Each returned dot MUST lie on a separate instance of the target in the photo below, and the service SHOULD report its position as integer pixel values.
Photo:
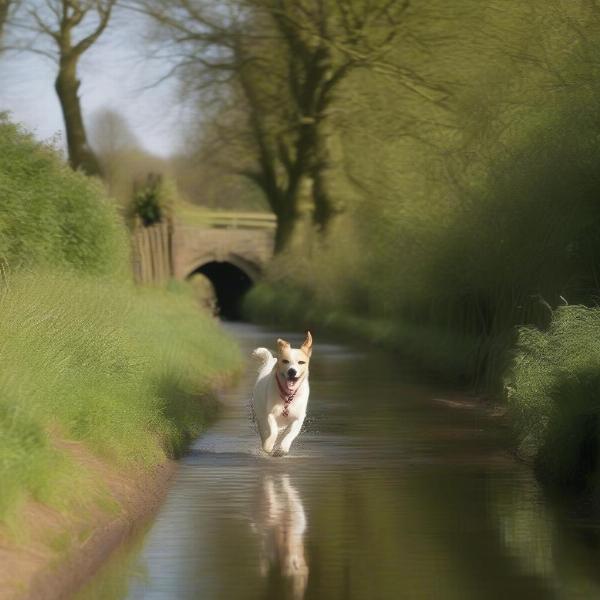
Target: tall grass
(121, 369)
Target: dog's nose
(292, 372)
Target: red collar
(285, 396)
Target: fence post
(152, 252)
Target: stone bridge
(230, 249)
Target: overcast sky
(114, 74)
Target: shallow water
(393, 490)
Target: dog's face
(292, 363)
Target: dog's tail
(266, 360)
(262, 355)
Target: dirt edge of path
(33, 571)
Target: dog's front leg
(273, 431)
(290, 436)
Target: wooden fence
(152, 253)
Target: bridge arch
(230, 250)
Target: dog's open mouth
(292, 380)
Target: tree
(111, 134)
(73, 26)
(117, 150)
(6, 8)
(285, 60)
(122, 158)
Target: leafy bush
(51, 216)
(553, 391)
(153, 200)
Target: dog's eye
(301, 362)
(285, 362)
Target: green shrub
(51, 216)
(553, 391)
(153, 200)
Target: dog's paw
(268, 447)
(281, 451)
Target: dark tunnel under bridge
(229, 285)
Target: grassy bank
(126, 371)
(102, 382)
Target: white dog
(281, 393)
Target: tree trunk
(284, 232)
(325, 207)
(67, 88)
(287, 219)
(325, 210)
(4, 6)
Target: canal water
(395, 489)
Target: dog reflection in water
(281, 524)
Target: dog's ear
(307, 344)
(282, 345)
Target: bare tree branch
(286, 61)
(60, 21)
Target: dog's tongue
(291, 384)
